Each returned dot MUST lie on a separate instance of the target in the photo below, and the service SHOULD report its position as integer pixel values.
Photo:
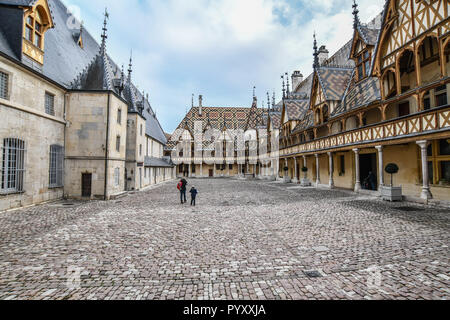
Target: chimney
(297, 78)
(200, 106)
(323, 54)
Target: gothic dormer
(37, 20)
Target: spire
(273, 101)
(284, 88)
(356, 21)
(287, 84)
(268, 101)
(104, 35)
(192, 102)
(130, 66)
(254, 92)
(316, 53)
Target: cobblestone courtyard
(244, 240)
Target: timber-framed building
(382, 98)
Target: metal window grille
(13, 165)
(49, 104)
(4, 79)
(117, 176)
(56, 166)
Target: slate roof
(370, 36)
(67, 64)
(18, 2)
(306, 122)
(157, 162)
(340, 58)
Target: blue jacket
(193, 192)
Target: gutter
(106, 146)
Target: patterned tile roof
(218, 117)
(334, 81)
(370, 36)
(275, 118)
(306, 122)
(295, 109)
(359, 95)
(341, 58)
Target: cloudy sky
(217, 48)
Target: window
(4, 79)
(118, 143)
(439, 162)
(145, 173)
(49, 104)
(140, 149)
(363, 65)
(56, 170)
(141, 129)
(441, 96)
(117, 176)
(13, 165)
(34, 31)
(230, 167)
(119, 116)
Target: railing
(415, 124)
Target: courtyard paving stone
(243, 240)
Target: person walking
(182, 187)
(194, 193)
(371, 179)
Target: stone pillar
(380, 166)
(286, 173)
(317, 170)
(426, 193)
(201, 169)
(295, 171)
(331, 181)
(357, 173)
(190, 170)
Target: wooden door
(86, 185)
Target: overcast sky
(217, 48)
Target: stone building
(382, 98)
(71, 123)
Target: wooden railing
(414, 124)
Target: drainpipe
(66, 95)
(106, 146)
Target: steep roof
(73, 67)
(295, 109)
(334, 81)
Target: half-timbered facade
(386, 102)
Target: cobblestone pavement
(244, 240)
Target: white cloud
(218, 48)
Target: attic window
(80, 41)
(363, 65)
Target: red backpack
(179, 185)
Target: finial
(192, 102)
(254, 91)
(268, 101)
(130, 65)
(356, 21)
(273, 100)
(316, 53)
(284, 88)
(287, 84)
(104, 35)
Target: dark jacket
(193, 192)
(184, 183)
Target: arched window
(429, 60)
(325, 114)
(407, 70)
(389, 84)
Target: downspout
(65, 128)
(106, 146)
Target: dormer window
(37, 20)
(363, 65)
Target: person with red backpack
(182, 187)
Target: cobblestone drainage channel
(409, 209)
(313, 274)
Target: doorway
(86, 185)
(211, 173)
(368, 164)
